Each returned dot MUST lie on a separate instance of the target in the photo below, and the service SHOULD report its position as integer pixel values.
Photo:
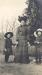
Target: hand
(16, 42)
(38, 42)
(5, 50)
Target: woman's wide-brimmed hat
(20, 18)
(6, 34)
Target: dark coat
(8, 45)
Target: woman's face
(22, 22)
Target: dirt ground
(19, 69)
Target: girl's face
(39, 33)
(8, 36)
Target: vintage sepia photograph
(20, 37)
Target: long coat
(22, 47)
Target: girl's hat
(6, 34)
(38, 32)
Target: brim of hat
(39, 29)
(11, 34)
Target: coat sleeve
(5, 43)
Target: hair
(24, 18)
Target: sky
(10, 10)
